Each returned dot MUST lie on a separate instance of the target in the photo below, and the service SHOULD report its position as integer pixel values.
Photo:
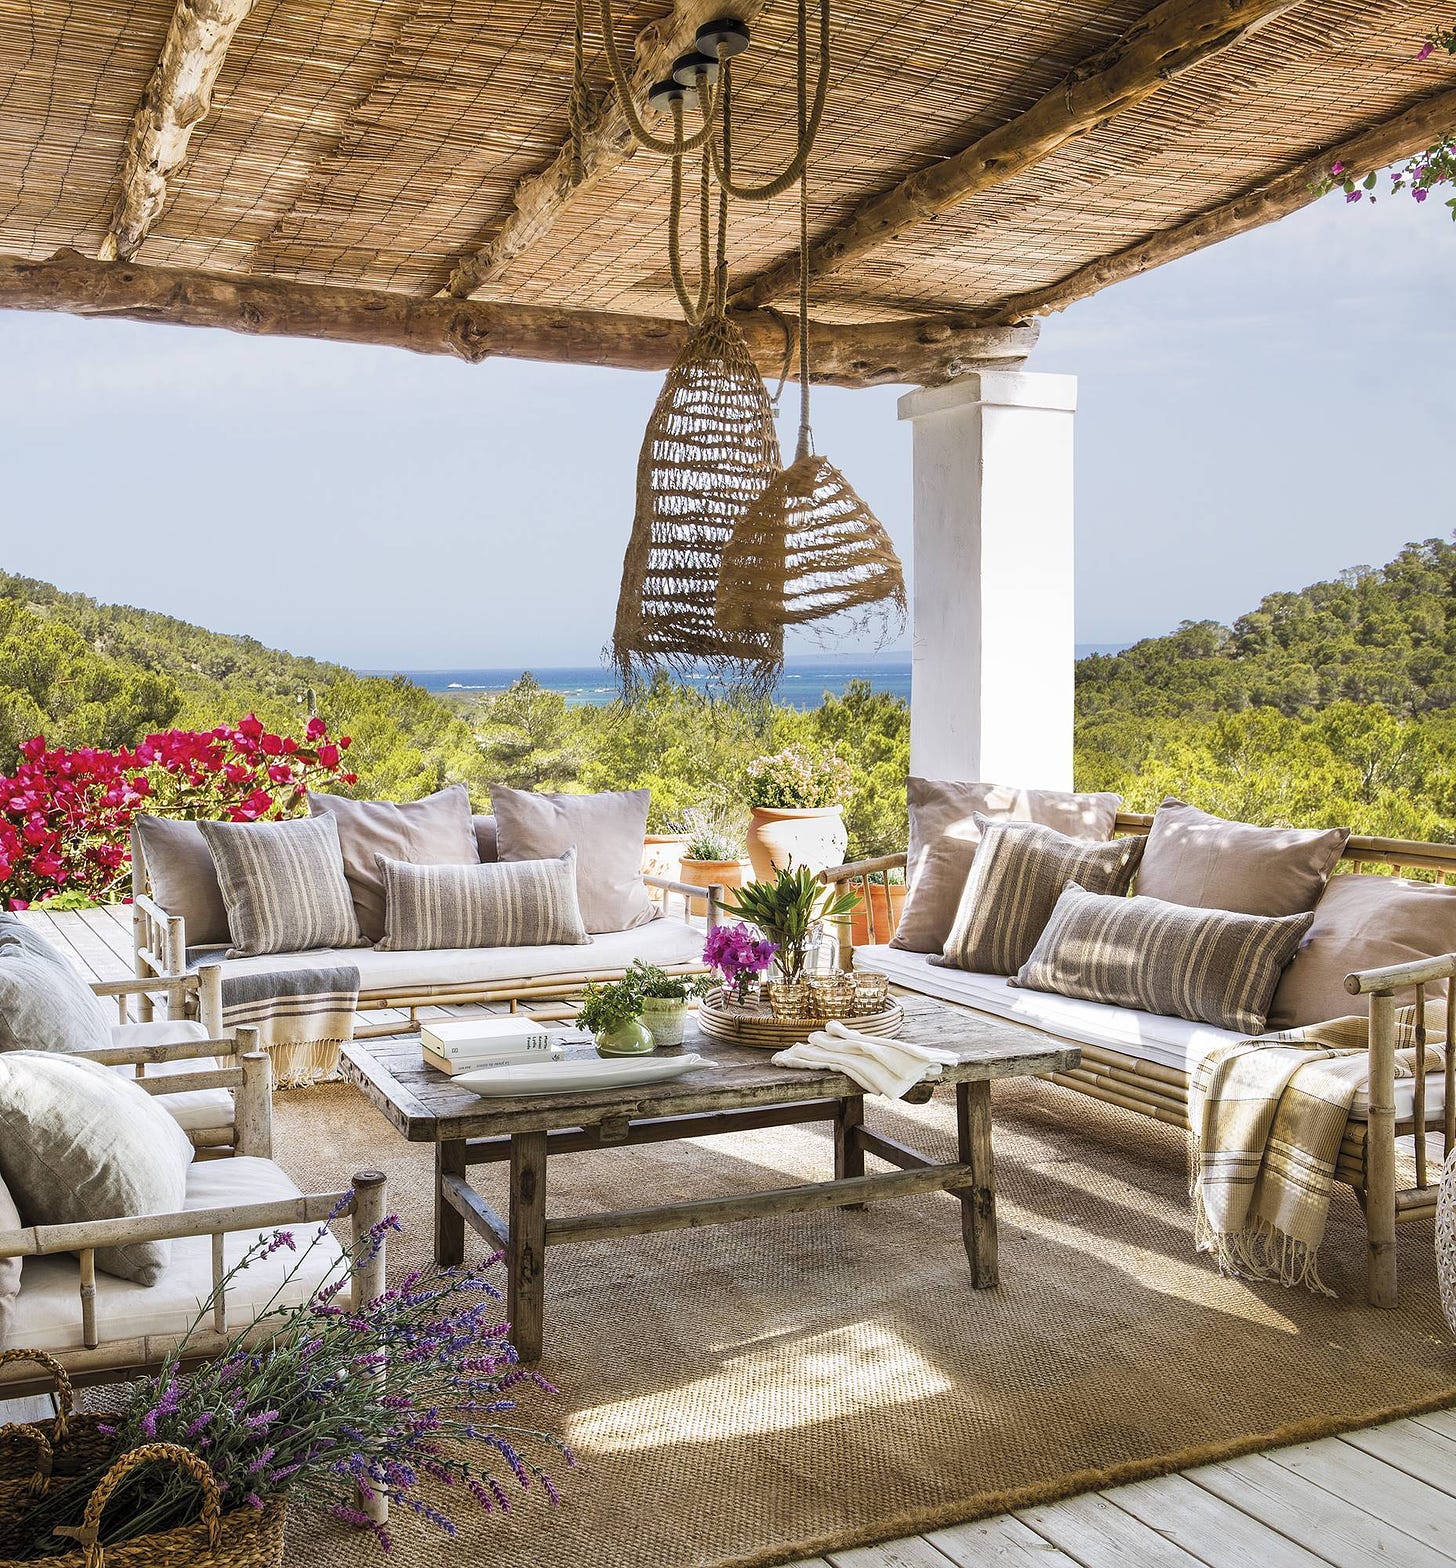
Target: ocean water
(804, 684)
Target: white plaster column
(993, 616)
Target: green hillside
(84, 673)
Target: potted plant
(739, 957)
(795, 797)
(712, 855)
(613, 1015)
(665, 999)
(883, 902)
(791, 911)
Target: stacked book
(462, 1045)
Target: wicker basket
(34, 1454)
(755, 1026)
(241, 1538)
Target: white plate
(576, 1075)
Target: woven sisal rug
(754, 1393)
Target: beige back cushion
(435, 831)
(944, 835)
(1210, 863)
(606, 831)
(486, 845)
(1362, 922)
(182, 877)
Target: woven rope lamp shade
(709, 451)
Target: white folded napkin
(878, 1065)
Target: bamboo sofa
(539, 980)
(99, 1329)
(1136, 1061)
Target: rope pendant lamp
(809, 549)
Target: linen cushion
(1208, 862)
(606, 831)
(521, 903)
(1015, 880)
(435, 831)
(78, 1142)
(284, 885)
(486, 847)
(9, 1267)
(1207, 965)
(944, 835)
(182, 877)
(1362, 922)
(45, 1005)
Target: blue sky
(1251, 418)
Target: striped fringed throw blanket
(303, 1017)
(1268, 1116)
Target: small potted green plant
(796, 799)
(665, 999)
(613, 1015)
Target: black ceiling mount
(726, 34)
(687, 67)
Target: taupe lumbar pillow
(183, 879)
(1211, 863)
(519, 903)
(944, 835)
(1362, 922)
(435, 831)
(80, 1142)
(606, 831)
(1015, 880)
(487, 848)
(284, 885)
(1206, 965)
(45, 1005)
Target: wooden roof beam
(542, 200)
(176, 101)
(1410, 132)
(924, 352)
(1172, 38)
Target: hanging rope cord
(626, 98)
(806, 439)
(692, 309)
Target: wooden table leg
(526, 1254)
(978, 1203)
(449, 1222)
(849, 1157)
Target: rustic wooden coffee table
(744, 1090)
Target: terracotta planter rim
(789, 813)
(688, 861)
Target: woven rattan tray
(756, 1026)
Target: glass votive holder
(788, 998)
(871, 992)
(832, 995)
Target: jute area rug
(754, 1393)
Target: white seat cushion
(198, 1110)
(664, 941)
(1146, 1037)
(48, 1309)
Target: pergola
(402, 172)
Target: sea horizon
(806, 680)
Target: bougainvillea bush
(66, 813)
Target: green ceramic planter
(632, 1038)
(665, 1018)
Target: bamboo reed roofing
(375, 143)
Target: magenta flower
(738, 955)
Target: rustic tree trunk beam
(1173, 38)
(923, 352)
(175, 102)
(541, 200)
(1407, 133)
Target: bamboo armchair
(1368, 1156)
(102, 1359)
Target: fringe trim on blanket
(306, 1062)
(1260, 1252)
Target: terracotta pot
(710, 873)
(662, 855)
(780, 839)
(886, 905)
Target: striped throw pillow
(283, 884)
(1207, 965)
(1015, 880)
(514, 903)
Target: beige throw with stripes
(1268, 1117)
